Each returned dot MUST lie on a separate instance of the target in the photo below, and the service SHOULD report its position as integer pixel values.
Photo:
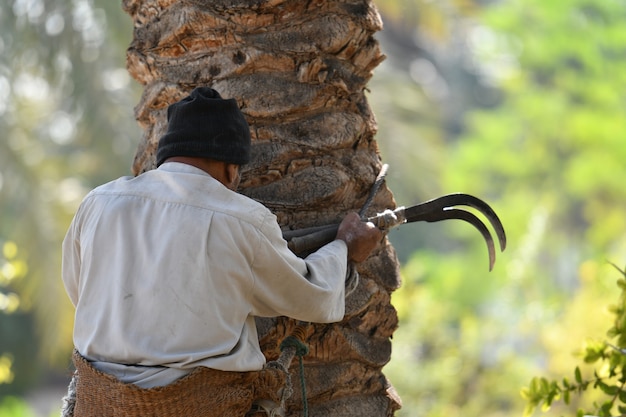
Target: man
(167, 270)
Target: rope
(294, 344)
(295, 341)
(352, 279)
(305, 404)
(69, 401)
(388, 219)
(380, 178)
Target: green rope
(301, 350)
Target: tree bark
(298, 70)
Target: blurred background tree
(66, 106)
(547, 150)
(518, 102)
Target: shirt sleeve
(70, 263)
(310, 289)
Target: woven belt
(202, 393)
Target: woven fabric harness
(203, 393)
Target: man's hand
(361, 237)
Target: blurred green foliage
(548, 155)
(608, 382)
(66, 107)
(14, 407)
(17, 348)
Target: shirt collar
(181, 167)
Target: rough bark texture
(298, 70)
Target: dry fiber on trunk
(298, 70)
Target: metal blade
(470, 218)
(431, 211)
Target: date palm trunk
(299, 71)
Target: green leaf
(608, 389)
(594, 351)
(605, 410)
(578, 375)
(529, 409)
(545, 386)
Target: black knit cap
(205, 125)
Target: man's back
(166, 273)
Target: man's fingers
(360, 237)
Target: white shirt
(167, 271)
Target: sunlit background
(519, 102)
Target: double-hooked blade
(443, 208)
(435, 210)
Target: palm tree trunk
(299, 70)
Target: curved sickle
(470, 218)
(429, 211)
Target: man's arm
(310, 289)
(70, 263)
